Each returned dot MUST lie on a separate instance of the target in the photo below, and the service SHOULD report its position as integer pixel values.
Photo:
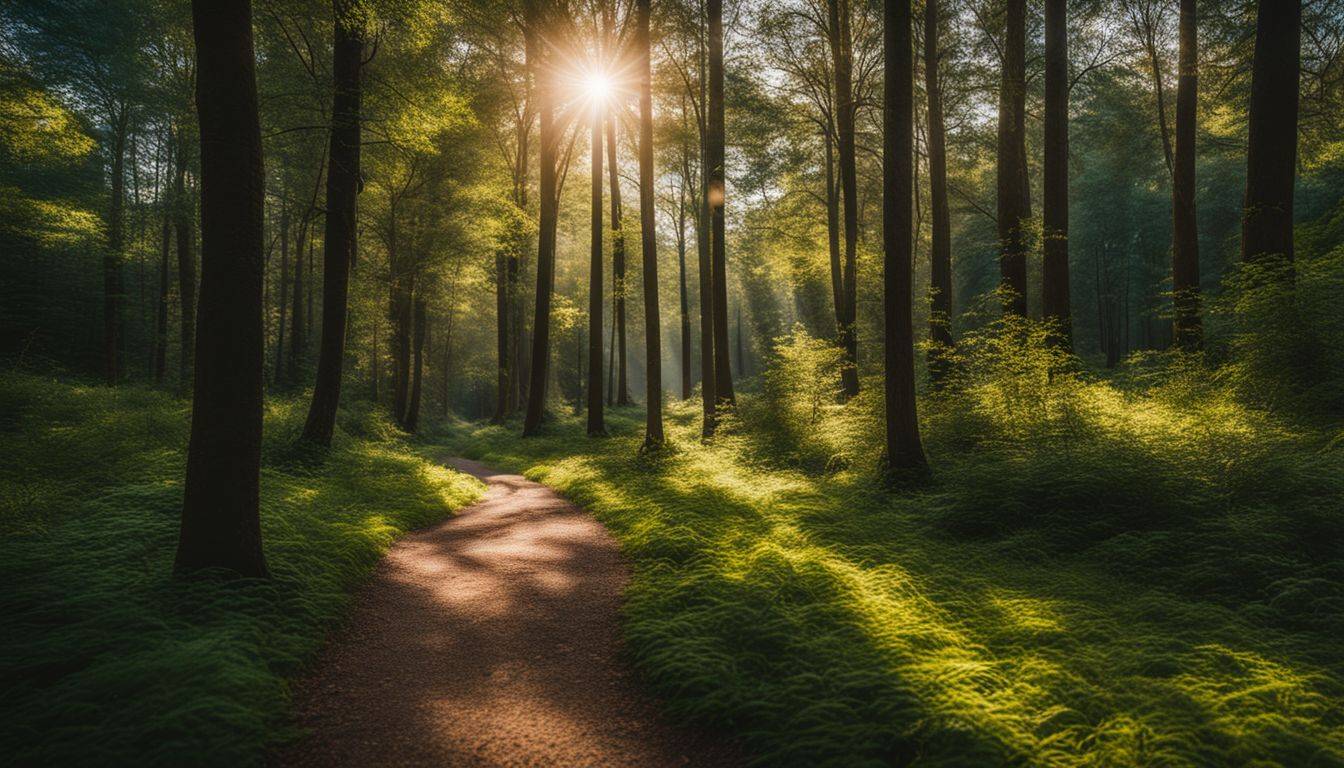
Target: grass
(106, 660)
(1101, 573)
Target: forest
(672, 382)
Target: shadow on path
(491, 639)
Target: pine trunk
(1055, 206)
(1187, 328)
(221, 522)
(1014, 206)
(339, 241)
(1271, 157)
(904, 453)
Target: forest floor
(1162, 585)
(493, 639)
(105, 659)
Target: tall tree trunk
(904, 453)
(842, 61)
(283, 294)
(1187, 330)
(549, 210)
(833, 239)
(723, 373)
(298, 330)
(221, 521)
(1014, 206)
(681, 278)
(161, 309)
(1271, 157)
(617, 264)
(940, 257)
(502, 286)
(113, 289)
(1055, 206)
(186, 266)
(421, 329)
(596, 424)
(653, 348)
(708, 397)
(343, 181)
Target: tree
(1055, 206)
(904, 453)
(420, 330)
(1186, 325)
(1014, 194)
(186, 262)
(653, 391)
(596, 425)
(842, 64)
(548, 190)
(940, 256)
(221, 520)
(343, 182)
(716, 195)
(622, 392)
(1271, 156)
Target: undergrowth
(1144, 568)
(105, 659)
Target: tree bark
(1271, 157)
(904, 453)
(723, 373)
(421, 329)
(549, 209)
(113, 288)
(596, 423)
(681, 279)
(161, 309)
(940, 257)
(279, 372)
(617, 264)
(842, 61)
(653, 348)
(186, 266)
(221, 522)
(1187, 330)
(1014, 206)
(1055, 205)
(833, 239)
(343, 182)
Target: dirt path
(491, 639)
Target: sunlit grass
(1100, 574)
(104, 658)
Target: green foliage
(1138, 570)
(105, 658)
(1280, 331)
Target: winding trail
(491, 639)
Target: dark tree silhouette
(842, 62)
(903, 450)
(1014, 204)
(1055, 206)
(339, 243)
(1271, 156)
(541, 325)
(653, 355)
(596, 424)
(622, 393)
(221, 521)
(940, 257)
(723, 372)
(186, 264)
(1186, 325)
